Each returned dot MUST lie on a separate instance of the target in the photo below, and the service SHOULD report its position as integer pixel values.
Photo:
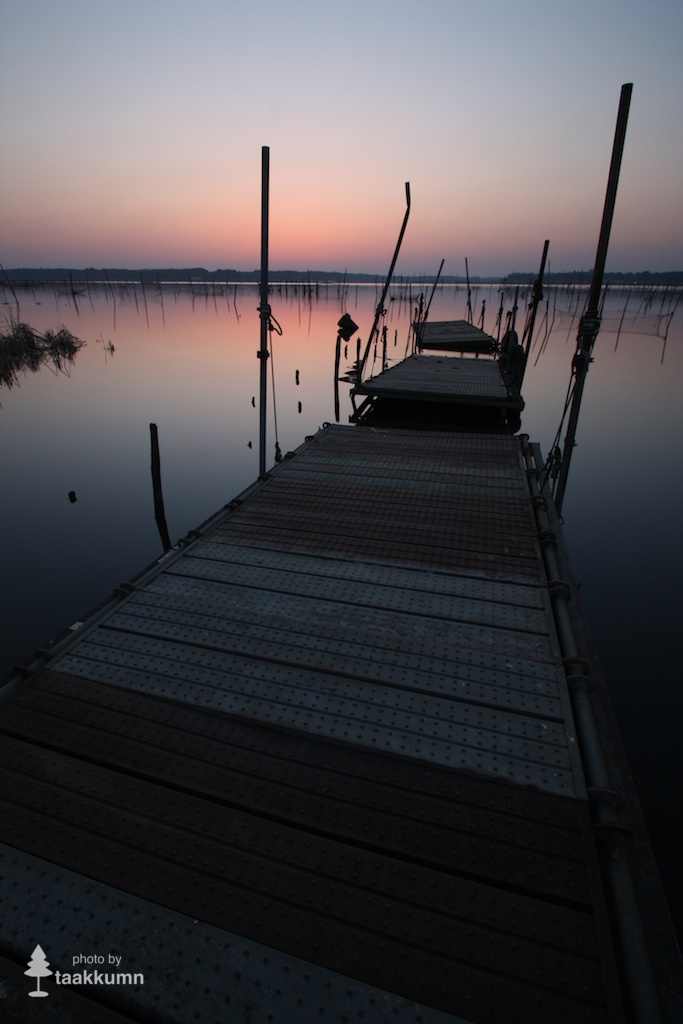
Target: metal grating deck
(332, 732)
(454, 336)
(443, 379)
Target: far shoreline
(35, 276)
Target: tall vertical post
(337, 355)
(470, 317)
(535, 301)
(590, 321)
(380, 311)
(264, 308)
(436, 281)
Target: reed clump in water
(22, 348)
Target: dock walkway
(324, 755)
(435, 384)
(453, 336)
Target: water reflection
(185, 360)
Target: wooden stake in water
(159, 514)
(264, 308)
(337, 353)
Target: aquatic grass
(24, 349)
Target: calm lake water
(186, 360)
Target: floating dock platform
(443, 390)
(328, 760)
(453, 336)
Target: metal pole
(611, 196)
(337, 353)
(380, 306)
(590, 321)
(535, 302)
(469, 292)
(515, 308)
(264, 308)
(436, 281)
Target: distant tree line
(662, 278)
(190, 275)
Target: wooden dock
(428, 387)
(320, 763)
(453, 336)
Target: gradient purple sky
(132, 133)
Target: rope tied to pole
(272, 326)
(278, 452)
(266, 313)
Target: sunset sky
(132, 132)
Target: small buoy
(72, 497)
(299, 406)
(248, 444)
(253, 401)
(297, 377)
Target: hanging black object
(347, 328)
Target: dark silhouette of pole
(337, 355)
(436, 281)
(264, 308)
(535, 302)
(379, 312)
(159, 513)
(470, 315)
(421, 321)
(590, 321)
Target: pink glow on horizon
(337, 224)
(160, 165)
(306, 234)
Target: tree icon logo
(38, 968)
